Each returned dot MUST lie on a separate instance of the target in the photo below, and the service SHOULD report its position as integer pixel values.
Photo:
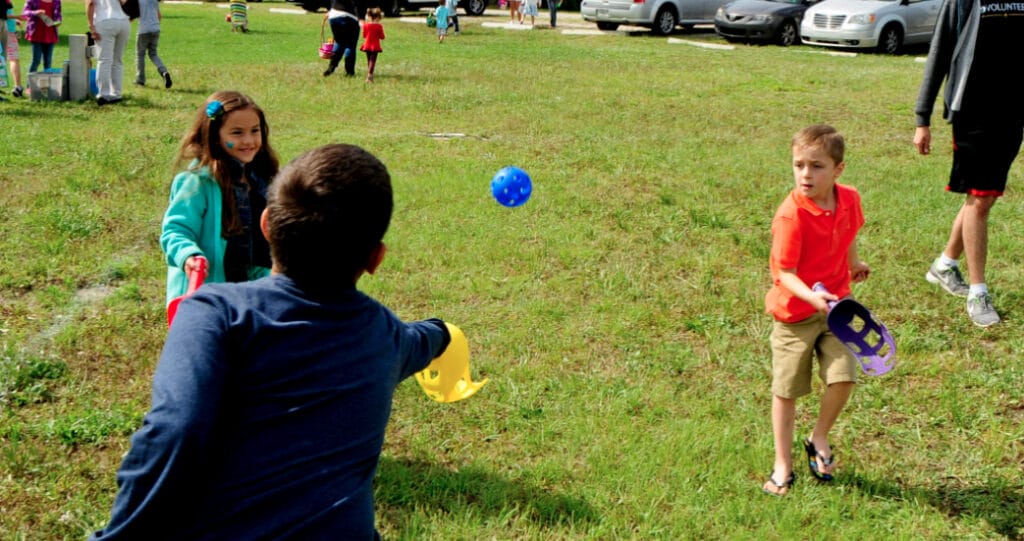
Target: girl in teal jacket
(216, 202)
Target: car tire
(607, 26)
(474, 7)
(789, 34)
(891, 40)
(664, 21)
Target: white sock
(946, 262)
(978, 290)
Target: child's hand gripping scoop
(447, 378)
(196, 277)
(862, 334)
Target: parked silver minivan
(661, 16)
(884, 25)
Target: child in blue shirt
(10, 45)
(441, 13)
(271, 397)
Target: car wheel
(891, 40)
(607, 26)
(474, 7)
(788, 34)
(664, 21)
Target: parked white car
(661, 16)
(885, 25)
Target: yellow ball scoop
(447, 378)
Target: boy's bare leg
(955, 245)
(974, 234)
(783, 418)
(970, 235)
(832, 404)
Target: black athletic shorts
(982, 155)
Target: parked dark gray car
(772, 21)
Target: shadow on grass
(411, 485)
(84, 109)
(999, 504)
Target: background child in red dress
(373, 32)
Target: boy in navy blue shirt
(271, 397)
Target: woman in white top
(344, 20)
(111, 29)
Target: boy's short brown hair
(327, 211)
(824, 137)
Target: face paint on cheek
(230, 145)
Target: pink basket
(326, 50)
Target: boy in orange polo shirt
(813, 240)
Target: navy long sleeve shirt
(268, 416)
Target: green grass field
(618, 314)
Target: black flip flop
(812, 461)
(787, 484)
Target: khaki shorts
(793, 347)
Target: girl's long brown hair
(202, 144)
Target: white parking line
(829, 53)
(703, 44)
(507, 26)
(583, 32)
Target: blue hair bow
(214, 109)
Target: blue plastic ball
(511, 186)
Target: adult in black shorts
(974, 50)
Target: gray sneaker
(950, 279)
(982, 313)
